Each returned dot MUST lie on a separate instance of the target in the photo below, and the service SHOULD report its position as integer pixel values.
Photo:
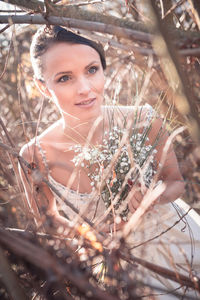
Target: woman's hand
(173, 190)
(135, 201)
(138, 193)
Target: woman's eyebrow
(93, 62)
(70, 72)
(63, 72)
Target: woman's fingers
(134, 203)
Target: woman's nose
(83, 86)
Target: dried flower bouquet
(135, 162)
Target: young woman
(69, 69)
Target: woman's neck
(82, 132)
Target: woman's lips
(87, 102)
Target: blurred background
(134, 73)
(138, 71)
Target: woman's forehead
(69, 55)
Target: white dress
(161, 238)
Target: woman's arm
(41, 202)
(168, 168)
(167, 171)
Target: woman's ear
(42, 88)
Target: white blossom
(87, 156)
(102, 155)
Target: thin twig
(39, 175)
(47, 262)
(162, 8)
(4, 28)
(195, 13)
(164, 272)
(7, 56)
(85, 3)
(172, 68)
(31, 234)
(6, 133)
(173, 8)
(13, 146)
(11, 11)
(163, 232)
(46, 8)
(151, 195)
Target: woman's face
(74, 78)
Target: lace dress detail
(89, 205)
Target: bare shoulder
(27, 151)
(30, 150)
(144, 116)
(129, 109)
(138, 113)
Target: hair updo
(45, 37)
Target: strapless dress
(169, 235)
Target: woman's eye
(93, 70)
(64, 78)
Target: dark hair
(45, 37)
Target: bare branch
(173, 7)
(166, 273)
(120, 32)
(85, 3)
(190, 52)
(27, 5)
(4, 28)
(39, 175)
(4, 69)
(195, 12)
(196, 6)
(77, 13)
(45, 261)
(12, 11)
(74, 23)
(179, 82)
(42, 259)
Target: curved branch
(27, 5)
(71, 11)
(193, 282)
(98, 27)
(45, 261)
(77, 13)
(174, 73)
(74, 23)
(22, 161)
